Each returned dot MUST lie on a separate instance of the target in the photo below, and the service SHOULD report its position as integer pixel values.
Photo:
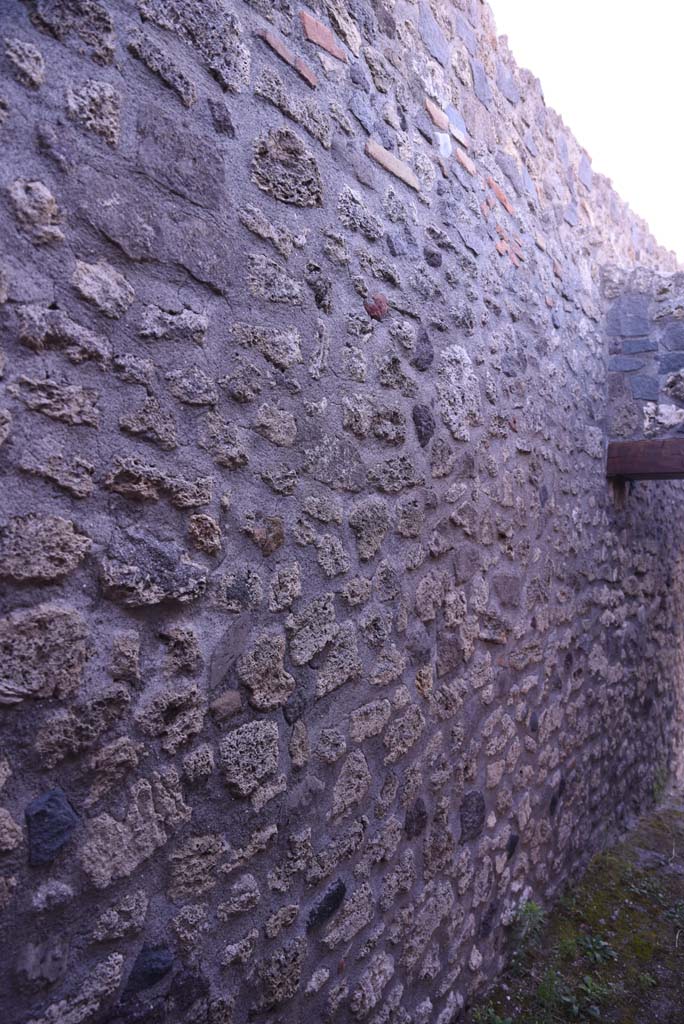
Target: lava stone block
(472, 815)
(51, 820)
(327, 906)
(152, 964)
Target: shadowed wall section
(322, 645)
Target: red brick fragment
(377, 306)
(485, 210)
(280, 47)
(514, 259)
(500, 231)
(557, 269)
(443, 166)
(306, 73)
(549, 302)
(466, 162)
(501, 196)
(318, 33)
(502, 247)
(392, 164)
(439, 118)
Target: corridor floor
(612, 950)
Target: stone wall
(645, 329)
(323, 646)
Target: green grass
(612, 950)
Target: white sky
(614, 71)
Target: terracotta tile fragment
(439, 118)
(280, 47)
(465, 161)
(501, 196)
(377, 306)
(392, 164)
(318, 33)
(443, 166)
(502, 247)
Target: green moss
(610, 943)
(643, 946)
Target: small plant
(488, 1015)
(567, 947)
(647, 887)
(659, 783)
(584, 1003)
(529, 922)
(592, 989)
(675, 914)
(646, 981)
(548, 990)
(597, 949)
(570, 1002)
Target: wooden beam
(646, 460)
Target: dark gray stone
(424, 353)
(625, 364)
(360, 78)
(509, 165)
(628, 317)
(530, 144)
(483, 89)
(639, 345)
(362, 111)
(396, 245)
(506, 84)
(466, 33)
(433, 257)
(327, 905)
(424, 125)
(152, 964)
(646, 388)
(424, 422)
(672, 335)
(528, 183)
(472, 815)
(671, 361)
(512, 844)
(571, 215)
(584, 171)
(432, 35)
(51, 821)
(456, 120)
(562, 151)
(416, 818)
